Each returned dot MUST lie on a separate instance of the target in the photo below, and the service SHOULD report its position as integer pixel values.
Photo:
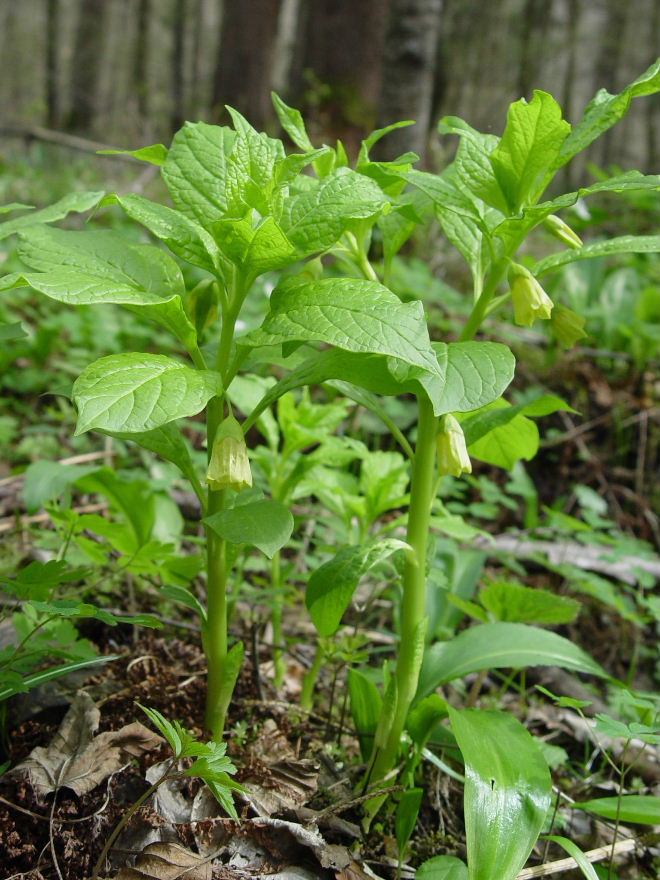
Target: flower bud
(561, 230)
(567, 326)
(229, 467)
(453, 456)
(529, 299)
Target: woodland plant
(241, 208)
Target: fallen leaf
(167, 861)
(78, 760)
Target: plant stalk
(413, 609)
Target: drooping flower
(567, 326)
(453, 458)
(529, 299)
(229, 467)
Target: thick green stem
(216, 627)
(413, 609)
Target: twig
(10, 525)
(592, 855)
(72, 142)
(73, 459)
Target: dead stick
(592, 855)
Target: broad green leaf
(195, 171)
(520, 604)
(424, 717)
(476, 373)
(12, 331)
(256, 249)
(604, 111)
(365, 702)
(472, 163)
(410, 211)
(315, 219)
(135, 392)
(507, 791)
(184, 237)
(630, 181)
(501, 434)
(45, 481)
(73, 202)
(356, 316)
(574, 850)
(497, 646)
(379, 133)
(331, 586)
(442, 868)
(292, 123)
(156, 154)
(15, 206)
(622, 244)
(249, 169)
(529, 148)
(446, 195)
(184, 597)
(133, 498)
(640, 809)
(166, 441)
(83, 268)
(266, 525)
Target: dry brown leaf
(167, 861)
(78, 760)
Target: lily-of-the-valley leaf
(497, 646)
(507, 791)
(136, 392)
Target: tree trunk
(52, 66)
(177, 116)
(244, 63)
(140, 79)
(85, 66)
(408, 73)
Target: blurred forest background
(128, 72)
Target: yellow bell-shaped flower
(453, 458)
(229, 467)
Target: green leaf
(12, 331)
(292, 123)
(38, 678)
(442, 868)
(133, 498)
(476, 373)
(166, 441)
(407, 812)
(156, 154)
(609, 726)
(576, 853)
(314, 219)
(184, 237)
(366, 703)
(527, 605)
(629, 181)
(498, 646)
(501, 434)
(77, 201)
(256, 250)
(604, 111)
(507, 791)
(266, 525)
(622, 244)
(640, 809)
(472, 163)
(195, 171)
(331, 586)
(45, 481)
(184, 597)
(101, 267)
(135, 392)
(356, 316)
(528, 150)
(249, 169)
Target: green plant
(242, 208)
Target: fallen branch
(592, 855)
